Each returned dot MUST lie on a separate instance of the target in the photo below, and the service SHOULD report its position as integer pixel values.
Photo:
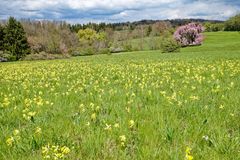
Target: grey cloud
(115, 10)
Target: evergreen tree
(149, 30)
(15, 40)
(1, 37)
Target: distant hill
(174, 22)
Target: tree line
(26, 39)
(232, 24)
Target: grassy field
(140, 105)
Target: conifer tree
(1, 37)
(15, 40)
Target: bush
(6, 56)
(189, 35)
(213, 27)
(86, 51)
(127, 47)
(90, 51)
(233, 24)
(169, 45)
(104, 51)
(44, 56)
(116, 49)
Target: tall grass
(142, 105)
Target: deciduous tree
(189, 35)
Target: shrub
(189, 35)
(213, 27)
(89, 51)
(84, 51)
(44, 56)
(104, 51)
(6, 56)
(127, 47)
(233, 24)
(116, 49)
(169, 45)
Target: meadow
(138, 105)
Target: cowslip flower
(108, 127)
(122, 139)
(116, 125)
(65, 150)
(38, 131)
(188, 155)
(93, 116)
(16, 132)
(10, 141)
(131, 123)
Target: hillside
(138, 105)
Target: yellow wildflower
(32, 114)
(38, 131)
(93, 116)
(131, 123)
(122, 138)
(16, 132)
(10, 141)
(65, 150)
(116, 125)
(188, 155)
(108, 127)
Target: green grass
(180, 100)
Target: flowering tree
(189, 35)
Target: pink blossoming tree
(189, 35)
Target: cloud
(82, 11)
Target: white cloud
(118, 10)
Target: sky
(83, 11)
